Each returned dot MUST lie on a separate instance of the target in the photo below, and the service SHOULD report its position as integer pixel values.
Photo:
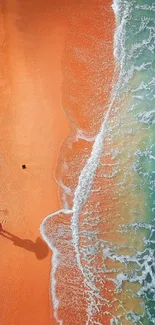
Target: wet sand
(32, 41)
(88, 70)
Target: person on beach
(1, 225)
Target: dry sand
(32, 41)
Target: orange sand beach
(32, 40)
(33, 125)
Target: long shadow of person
(39, 247)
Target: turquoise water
(135, 51)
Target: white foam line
(55, 262)
(87, 175)
(83, 189)
(85, 182)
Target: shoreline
(83, 75)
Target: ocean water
(103, 262)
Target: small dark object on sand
(1, 228)
(24, 166)
(1, 225)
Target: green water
(138, 79)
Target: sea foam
(104, 240)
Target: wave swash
(103, 262)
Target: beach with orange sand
(32, 128)
(47, 94)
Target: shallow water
(103, 238)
